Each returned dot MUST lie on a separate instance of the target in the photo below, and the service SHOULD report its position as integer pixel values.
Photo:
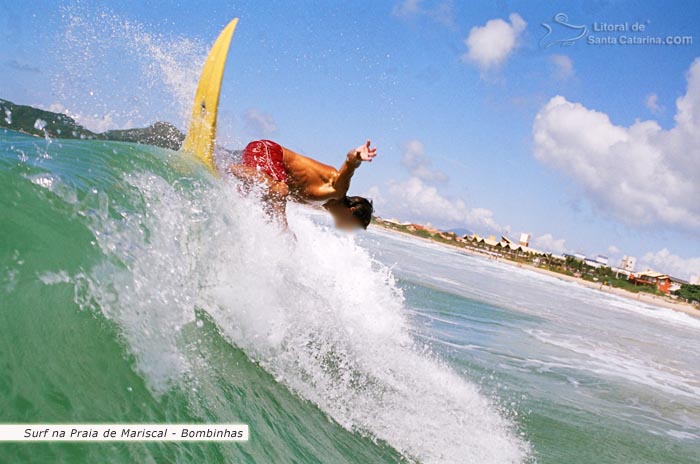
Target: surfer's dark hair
(363, 209)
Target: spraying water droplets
(39, 124)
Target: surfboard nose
(201, 133)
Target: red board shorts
(267, 157)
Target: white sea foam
(318, 313)
(608, 360)
(54, 184)
(560, 330)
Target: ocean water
(136, 288)
(586, 376)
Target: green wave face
(136, 288)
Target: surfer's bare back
(290, 176)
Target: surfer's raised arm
(290, 176)
(353, 160)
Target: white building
(603, 260)
(695, 280)
(524, 240)
(593, 263)
(628, 263)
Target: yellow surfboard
(202, 131)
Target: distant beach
(643, 297)
(647, 298)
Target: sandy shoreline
(641, 296)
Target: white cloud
(259, 124)
(641, 174)
(413, 153)
(664, 261)
(94, 122)
(652, 103)
(406, 8)
(100, 123)
(613, 250)
(55, 107)
(416, 161)
(418, 198)
(415, 200)
(547, 242)
(490, 45)
(375, 193)
(442, 12)
(563, 67)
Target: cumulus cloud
(652, 103)
(419, 165)
(415, 200)
(259, 124)
(641, 174)
(613, 250)
(490, 45)
(563, 67)
(101, 122)
(547, 242)
(418, 198)
(375, 193)
(665, 261)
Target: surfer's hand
(365, 153)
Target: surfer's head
(351, 212)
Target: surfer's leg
(250, 174)
(242, 171)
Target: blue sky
(458, 97)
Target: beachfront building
(430, 229)
(524, 240)
(447, 235)
(621, 272)
(628, 263)
(677, 283)
(491, 241)
(662, 282)
(602, 260)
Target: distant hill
(461, 231)
(160, 134)
(34, 121)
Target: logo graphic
(561, 32)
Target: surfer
(289, 176)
